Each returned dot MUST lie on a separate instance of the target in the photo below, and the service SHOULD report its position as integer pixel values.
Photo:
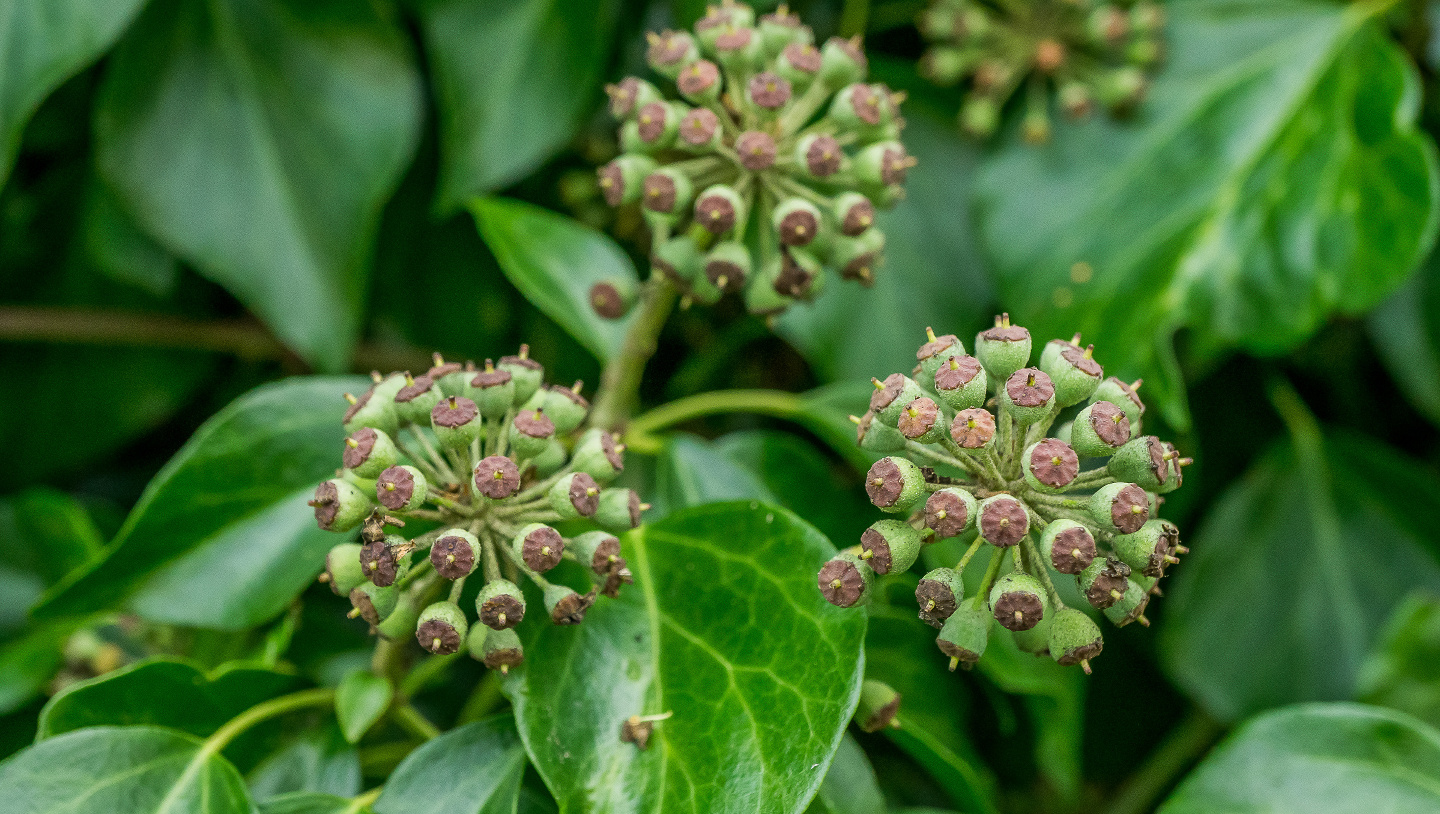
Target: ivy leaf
(692, 472)
(1275, 176)
(307, 802)
(1319, 759)
(222, 537)
(135, 769)
(258, 140)
(1295, 572)
(1406, 333)
(1400, 673)
(723, 629)
(318, 760)
(850, 787)
(474, 769)
(512, 81)
(554, 260)
(45, 534)
(29, 661)
(360, 700)
(45, 43)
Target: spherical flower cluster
(488, 459)
(767, 170)
(1087, 51)
(1081, 502)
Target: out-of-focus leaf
(222, 537)
(474, 769)
(360, 700)
(1318, 759)
(45, 534)
(1402, 673)
(512, 81)
(306, 802)
(318, 761)
(258, 141)
(692, 472)
(28, 662)
(798, 475)
(1275, 176)
(850, 787)
(118, 248)
(1406, 332)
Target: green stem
(321, 697)
(410, 720)
(640, 434)
(1190, 739)
(363, 801)
(620, 381)
(969, 555)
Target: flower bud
(801, 274)
(456, 421)
(1074, 639)
(1104, 581)
(973, 428)
(502, 650)
(842, 62)
(873, 436)
(368, 452)
(879, 703)
(678, 259)
(622, 180)
(761, 296)
(401, 488)
(1036, 640)
(566, 606)
(727, 265)
(442, 628)
(799, 63)
(965, 633)
(768, 91)
(380, 563)
(1130, 607)
(939, 593)
(797, 221)
(883, 165)
(892, 396)
(946, 66)
(575, 495)
(961, 382)
(936, 351)
(979, 116)
(1003, 520)
(819, 155)
(1121, 88)
(1099, 430)
(600, 552)
(845, 580)
(339, 505)
(738, 49)
(719, 208)
(630, 94)
(475, 641)
(1003, 349)
(613, 297)
(619, 510)
(890, 545)
(858, 257)
(1064, 433)
(500, 605)
(670, 52)
(416, 399)
(530, 431)
(455, 554)
(342, 569)
(922, 422)
(1120, 507)
(854, 212)
(373, 602)
(1149, 549)
(756, 149)
(527, 374)
(1050, 465)
(1144, 462)
(1068, 546)
(895, 484)
(402, 621)
(699, 82)
(564, 406)
(598, 456)
(497, 477)
(780, 29)
(450, 377)
(668, 191)
(1018, 601)
(950, 512)
(539, 546)
(1122, 395)
(1074, 372)
(550, 460)
(700, 131)
(861, 107)
(370, 411)
(1030, 396)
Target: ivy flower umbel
(490, 457)
(1083, 502)
(1085, 51)
(767, 170)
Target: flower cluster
(487, 459)
(769, 168)
(1082, 502)
(1088, 51)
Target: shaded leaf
(29, 661)
(45, 534)
(850, 787)
(1406, 333)
(318, 761)
(474, 769)
(360, 700)
(306, 802)
(692, 472)
(1401, 673)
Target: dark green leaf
(1401, 673)
(27, 663)
(803, 480)
(134, 769)
(723, 628)
(318, 761)
(512, 80)
(1406, 332)
(117, 247)
(474, 769)
(45, 42)
(45, 534)
(162, 692)
(222, 537)
(850, 787)
(1294, 573)
(306, 802)
(258, 141)
(1275, 175)
(1318, 759)
(554, 261)
(692, 472)
(360, 700)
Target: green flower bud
(842, 62)
(530, 431)
(767, 92)
(797, 221)
(339, 505)
(936, 352)
(939, 593)
(960, 382)
(946, 66)
(630, 94)
(497, 477)
(342, 569)
(613, 297)
(373, 602)
(670, 52)
(1107, 25)
(719, 208)
(738, 49)
(922, 422)
(416, 399)
(700, 132)
(882, 165)
(892, 396)
(564, 406)
(801, 274)
(1030, 396)
(368, 452)
(979, 116)
(728, 266)
(401, 488)
(1036, 640)
(475, 642)
(780, 29)
(1099, 430)
(862, 108)
(503, 650)
(600, 552)
(668, 192)
(950, 512)
(895, 485)
(1003, 520)
(450, 377)
(855, 214)
(1130, 607)
(442, 628)
(526, 373)
(1068, 546)
(965, 633)
(858, 257)
(702, 290)
(575, 495)
(370, 411)
(500, 605)
(1065, 432)
(566, 607)
(1120, 507)
(1074, 639)
(1121, 88)
(699, 82)
(1075, 99)
(820, 156)
(677, 259)
(873, 436)
(598, 456)
(1103, 581)
(1074, 372)
(539, 546)
(1122, 395)
(1147, 17)
(622, 180)
(761, 296)
(1003, 349)
(550, 460)
(879, 703)
(1149, 550)
(455, 554)
(1050, 465)
(456, 421)
(401, 622)
(619, 510)
(493, 391)
(890, 545)
(973, 428)
(1147, 463)
(845, 580)
(799, 63)
(380, 561)
(1018, 601)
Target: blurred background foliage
(203, 197)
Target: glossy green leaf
(134, 769)
(222, 537)
(1401, 672)
(306, 802)
(45, 534)
(1406, 333)
(554, 261)
(258, 140)
(692, 472)
(360, 700)
(44, 43)
(474, 769)
(1274, 176)
(162, 692)
(725, 629)
(512, 80)
(1318, 759)
(1295, 572)
(850, 787)
(318, 760)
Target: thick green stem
(236, 726)
(620, 381)
(409, 719)
(363, 801)
(1181, 748)
(639, 436)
